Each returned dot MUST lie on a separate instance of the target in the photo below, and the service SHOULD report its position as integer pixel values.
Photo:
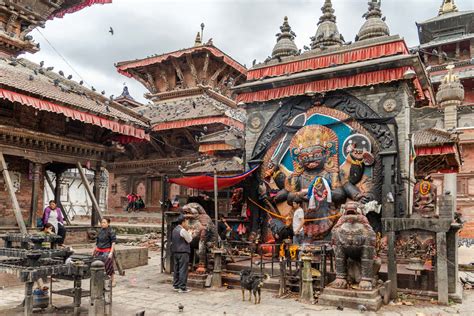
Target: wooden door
(156, 194)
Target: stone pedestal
(216, 274)
(351, 298)
(306, 294)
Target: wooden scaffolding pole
(11, 192)
(95, 205)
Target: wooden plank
(95, 205)
(11, 192)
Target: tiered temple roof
(30, 84)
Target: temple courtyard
(146, 289)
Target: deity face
(357, 154)
(312, 158)
(425, 187)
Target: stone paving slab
(144, 288)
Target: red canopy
(206, 182)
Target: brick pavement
(144, 288)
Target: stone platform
(351, 298)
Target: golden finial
(197, 41)
(447, 7)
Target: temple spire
(447, 7)
(375, 25)
(198, 41)
(327, 33)
(285, 45)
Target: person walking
(105, 247)
(298, 219)
(53, 215)
(181, 249)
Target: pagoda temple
(448, 40)
(194, 120)
(50, 123)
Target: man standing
(180, 240)
(298, 218)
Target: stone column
(34, 193)
(442, 268)
(216, 274)
(452, 256)
(96, 190)
(306, 294)
(451, 122)
(388, 211)
(97, 299)
(28, 308)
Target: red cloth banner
(78, 7)
(335, 59)
(200, 121)
(359, 80)
(206, 182)
(43, 105)
(158, 59)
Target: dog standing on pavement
(253, 283)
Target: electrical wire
(63, 58)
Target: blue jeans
(298, 238)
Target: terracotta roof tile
(26, 76)
(190, 107)
(432, 137)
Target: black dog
(253, 283)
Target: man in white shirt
(181, 249)
(298, 218)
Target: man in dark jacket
(180, 240)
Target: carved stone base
(351, 298)
(197, 280)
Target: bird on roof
(61, 73)
(49, 68)
(102, 92)
(384, 18)
(111, 97)
(107, 108)
(41, 71)
(56, 82)
(111, 31)
(69, 77)
(254, 62)
(31, 78)
(93, 89)
(81, 82)
(13, 62)
(35, 71)
(41, 63)
(305, 47)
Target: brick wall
(19, 167)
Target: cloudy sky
(244, 29)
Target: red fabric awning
(435, 150)
(359, 80)
(318, 62)
(123, 67)
(206, 182)
(78, 7)
(48, 106)
(199, 121)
